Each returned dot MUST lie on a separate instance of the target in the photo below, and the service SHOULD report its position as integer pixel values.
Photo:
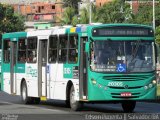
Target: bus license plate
(126, 94)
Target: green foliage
(71, 3)
(114, 12)
(158, 34)
(84, 16)
(10, 21)
(68, 15)
(144, 14)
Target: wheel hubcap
(73, 97)
(24, 93)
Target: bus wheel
(128, 106)
(67, 102)
(24, 94)
(75, 105)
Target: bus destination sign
(122, 31)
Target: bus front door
(42, 68)
(83, 70)
(13, 45)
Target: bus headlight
(154, 82)
(93, 81)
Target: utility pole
(154, 15)
(90, 11)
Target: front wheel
(74, 104)
(24, 94)
(128, 106)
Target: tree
(144, 14)
(71, 3)
(114, 12)
(68, 15)
(10, 21)
(84, 15)
(158, 34)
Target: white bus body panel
(6, 83)
(19, 78)
(32, 79)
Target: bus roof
(39, 33)
(121, 24)
(14, 35)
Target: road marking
(36, 107)
(3, 102)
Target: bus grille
(127, 77)
(135, 87)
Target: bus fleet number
(115, 84)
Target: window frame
(4, 40)
(76, 48)
(25, 38)
(27, 56)
(55, 36)
(66, 48)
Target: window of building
(21, 50)
(31, 49)
(42, 7)
(6, 48)
(73, 49)
(53, 6)
(39, 9)
(53, 47)
(62, 53)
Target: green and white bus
(108, 63)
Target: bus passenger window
(32, 50)
(53, 46)
(6, 57)
(62, 54)
(21, 50)
(73, 49)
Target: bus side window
(6, 57)
(73, 49)
(21, 50)
(62, 54)
(32, 50)
(53, 46)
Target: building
(100, 3)
(43, 11)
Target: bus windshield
(122, 56)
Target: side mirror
(157, 52)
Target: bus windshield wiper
(135, 51)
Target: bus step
(43, 98)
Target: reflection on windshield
(122, 56)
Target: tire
(75, 105)
(128, 106)
(67, 102)
(24, 94)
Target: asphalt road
(11, 108)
